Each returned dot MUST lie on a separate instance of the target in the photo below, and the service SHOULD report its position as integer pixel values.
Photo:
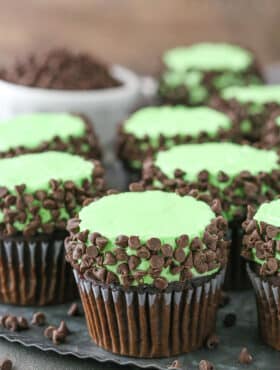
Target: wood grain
(135, 32)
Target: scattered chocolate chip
(212, 341)
(48, 332)
(11, 323)
(182, 241)
(179, 254)
(38, 318)
(6, 364)
(134, 242)
(175, 365)
(205, 365)
(73, 310)
(92, 251)
(157, 261)
(63, 328)
(136, 186)
(216, 206)
(109, 259)
(122, 241)
(245, 358)
(3, 320)
(22, 323)
(101, 241)
(58, 336)
(229, 320)
(154, 244)
(167, 250)
(160, 283)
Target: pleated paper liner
(34, 271)
(145, 323)
(268, 307)
(236, 276)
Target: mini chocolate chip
(134, 242)
(167, 250)
(49, 204)
(73, 225)
(175, 365)
(6, 364)
(223, 177)
(38, 318)
(154, 244)
(157, 261)
(143, 252)
(205, 365)
(73, 310)
(83, 235)
(101, 241)
(58, 337)
(245, 358)
(63, 328)
(92, 251)
(203, 175)
(179, 173)
(20, 188)
(196, 244)
(22, 323)
(229, 320)
(182, 241)
(123, 269)
(179, 255)
(3, 320)
(109, 259)
(122, 241)
(41, 194)
(121, 254)
(48, 332)
(272, 231)
(111, 278)
(11, 323)
(69, 185)
(92, 237)
(133, 262)
(3, 191)
(136, 186)
(216, 206)
(212, 341)
(250, 212)
(161, 283)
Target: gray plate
(225, 357)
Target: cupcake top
(40, 192)
(215, 158)
(253, 94)
(208, 57)
(171, 121)
(261, 240)
(37, 128)
(236, 174)
(150, 237)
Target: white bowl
(106, 108)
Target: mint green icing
(172, 121)
(277, 120)
(258, 95)
(31, 130)
(215, 157)
(147, 214)
(269, 213)
(36, 170)
(208, 56)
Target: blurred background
(135, 32)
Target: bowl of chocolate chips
(62, 81)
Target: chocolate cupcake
(38, 195)
(251, 105)
(149, 266)
(195, 73)
(261, 249)
(237, 175)
(153, 128)
(39, 132)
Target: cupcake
(251, 105)
(39, 132)
(195, 73)
(153, 128)
(38, 195)
(235, 174)
(261, 250)
(149, 266)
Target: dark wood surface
(135, 32)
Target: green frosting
(172, 121)
(147, 214)
(258, 95)
(36, 170)
(208, 56)
(215, 157)
(31, 130)
(269, 213)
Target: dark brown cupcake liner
(34, 271)
(149, 323)
(236, 275)
(268, 307)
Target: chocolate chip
(144, 253)
(48, 332)
(133, 262)
(63, 328)
(157, 261)
(83, 235)
(73, 225)
(182, 241)
(134, 242)
(22, 323)
(92, 251)
(73, 310)
(111, 278)
(205, 365)
(212, 341)
(122, 241)
(58, 337)
(203, 175)
(196, 244)
(223, 177)
(245, 358)
(38, 318)
(109, 259)
(101, 242)
(216, 206)
(179, 173)
(136, 186)
(3, 191)
(11, 323)
(175, 365)
(229, 320)
(272, 231)
(3, 320)
(6, 364)
(123, 269)
(154, 244)
(92, 237)
(20, 188)
(167, 250)
(161, 283)
(121, 254)
(179, 255)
